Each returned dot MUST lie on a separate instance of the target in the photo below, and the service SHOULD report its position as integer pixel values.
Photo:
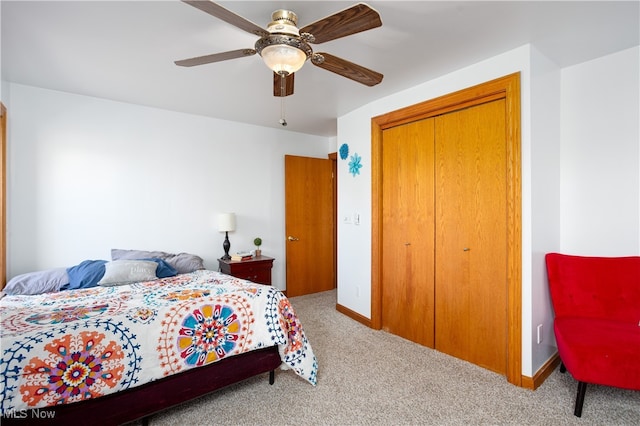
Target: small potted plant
(258, 242)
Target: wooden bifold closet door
(444, 227)
(407, 220)
(471, 235)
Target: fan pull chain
(283, 121)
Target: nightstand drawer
(257, 269)
(262, 276)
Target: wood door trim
(333, 156)
(3, 195)
(508, 88)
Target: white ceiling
(124, 50)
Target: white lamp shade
(226, 222)
(283, 58)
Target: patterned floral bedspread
(72, 345)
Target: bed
(120, 352)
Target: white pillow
(182, 262)
(120, 272)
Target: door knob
(290, 238)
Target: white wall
(543, 205)
(601, 156)
(546, 94)
(86, 175)
(4, 88)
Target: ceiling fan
(285, 48)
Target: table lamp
(226, 223)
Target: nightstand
(257, 269)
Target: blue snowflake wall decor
(344, 151)
(354, 164)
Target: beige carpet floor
(370, 377)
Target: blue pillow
(164, 270)
(85, 275)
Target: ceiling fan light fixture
(282, 58)
(283, 22)
(283, 50)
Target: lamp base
(226, 245)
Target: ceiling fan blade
(288, 85)
(216, 57)
(355, 19)
(348, 69)
(227, 16)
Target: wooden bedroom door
(309, 225)
(471, 235)
(407, 222)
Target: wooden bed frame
(140, 402)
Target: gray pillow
(182, 262)
(125, 271)
(46, 281)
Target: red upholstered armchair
(597, 319)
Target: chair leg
(272, 377)
(582, 388)
(563, 369)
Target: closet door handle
(466, 249)
(290, 238)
